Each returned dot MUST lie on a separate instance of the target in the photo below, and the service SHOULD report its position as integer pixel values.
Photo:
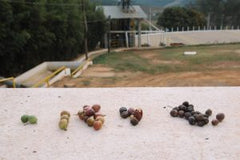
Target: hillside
(159, 3)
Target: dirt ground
(216, 73)
(101, 76)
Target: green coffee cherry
(24, 118)
(32, 119)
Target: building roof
(116, 12)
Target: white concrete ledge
(158, 136)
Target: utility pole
(222, 20)
(85, 30)
(208, 20)
(150, 18)
(109, 34)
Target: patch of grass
(206, 57)
(123, 61)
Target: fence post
(215, 27)
(193, 28)
(182, 29)
(204, 28)
(139, 34)
(148, 39)
(199, 28)
(187, 28)
(126, 36)
(237, 27)
(221, 28)
(177, 29)
(172, 29)
(232, 27)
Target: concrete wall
(191, 37)
(158, 136)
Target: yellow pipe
(79, 68)
(49, 77)
(7, 79)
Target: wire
(48, 4)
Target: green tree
(33, 31)
(174, 17)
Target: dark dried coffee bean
(208, 112)
(199, 117)
(204, 115)
(200, 123)
(195, 115)
(187, 115)
(133, 120)
(185, 103)
(181, 113)
(174, 113)
(191, 120)
(220, 117)
(189, 109)
(125, 114)
(182, 107)
(191, 106)
(215, 122)
(122, 109)
(206, 120)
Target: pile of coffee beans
(186, 110)
(64, 120)
(134, 114)
(91, 116)
(219, 118)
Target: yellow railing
(79, 68)
(9, 79)
(46, 80)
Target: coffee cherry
(122, 109)
(185, 103)
(90, 112)
(174, 113)
(131, 110)
(133, 120)
(199, 117)
(190, 108)
(181, 113)
(215, 122)
(208, 112)
(205, 120)
(191, 120)
(200, 123)
(65, 112)
(220, 117)
(182, 107)
(90, 121)
(187, 115)
(125, 114)
(138, 113)
(96, 107)
(24, 118)
(97, 125)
